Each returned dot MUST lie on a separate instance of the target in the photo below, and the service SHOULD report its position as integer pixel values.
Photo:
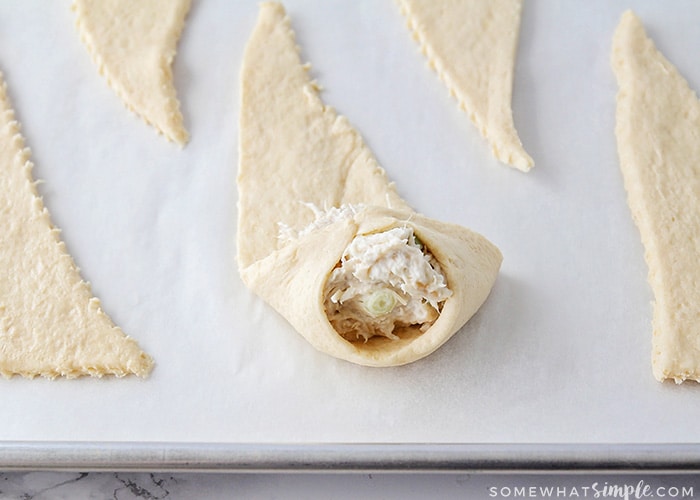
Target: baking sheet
(560, 352)
(343, 457)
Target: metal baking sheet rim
(342, 457)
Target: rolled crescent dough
(50, 324)
(294, 150)
(133, 44)
(658, 140)
(472, 45)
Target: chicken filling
(384, 282)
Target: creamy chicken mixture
(384, 281)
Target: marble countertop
(41, 485)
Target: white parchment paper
(560, 352)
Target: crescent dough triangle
(50, 324)
(133, 44)
(296, 151)
(472, 44)
(658, 131)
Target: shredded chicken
(384, 281)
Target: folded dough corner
(298, 159)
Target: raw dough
(472, 44)
(50, 324)
(295, 151)
(133, 44)
(658, 139)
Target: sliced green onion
(379, 302)
(418, 242)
